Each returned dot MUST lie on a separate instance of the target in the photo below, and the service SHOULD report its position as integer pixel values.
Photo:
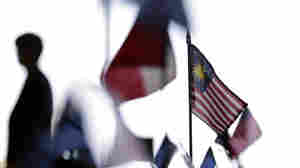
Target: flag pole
(188, 41)
(108, 30)
(107, 6)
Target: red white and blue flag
(246, 133)
(213, 102)
(144, 64)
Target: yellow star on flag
(198, 70)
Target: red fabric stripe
(209, 112)
(125, 83)
(208, 102)
(145, 45)
(225, 98)
(214, 101)
(245, 134)
(237, 99)
(222, 104)
(210, 123)
(228, 93)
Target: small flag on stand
(216, 105)
(209, 160)
(213, 102)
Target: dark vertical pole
(188, 41)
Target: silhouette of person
(29, 143)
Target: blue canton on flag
(213, 102)
(202, 71)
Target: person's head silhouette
(29, 48)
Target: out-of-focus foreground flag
(158, 11)
(246, 133)
(209, 160)
(145, 63)
(213, 102)
(167, 152)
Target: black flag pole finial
(188, 37)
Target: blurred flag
(246, 133)
(70, 146)
(145, 63)
(168, 150)
(68, 132)
(165, 153)
(213, 102)
(82, 137)
(209, 160)
(158, 12)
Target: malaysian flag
(212, 101)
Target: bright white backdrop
(253, 46)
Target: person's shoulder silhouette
(29, 143)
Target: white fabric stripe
(155, 77)
(217, 110)
(202, 117)
(152, 77)
(205, 112)
(219, 106)
(225, 103)
(229, 96)
(214, 94)
(211, 112)
(207, 122)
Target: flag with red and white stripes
(213, 102)
(144, 64)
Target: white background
(253, 46)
